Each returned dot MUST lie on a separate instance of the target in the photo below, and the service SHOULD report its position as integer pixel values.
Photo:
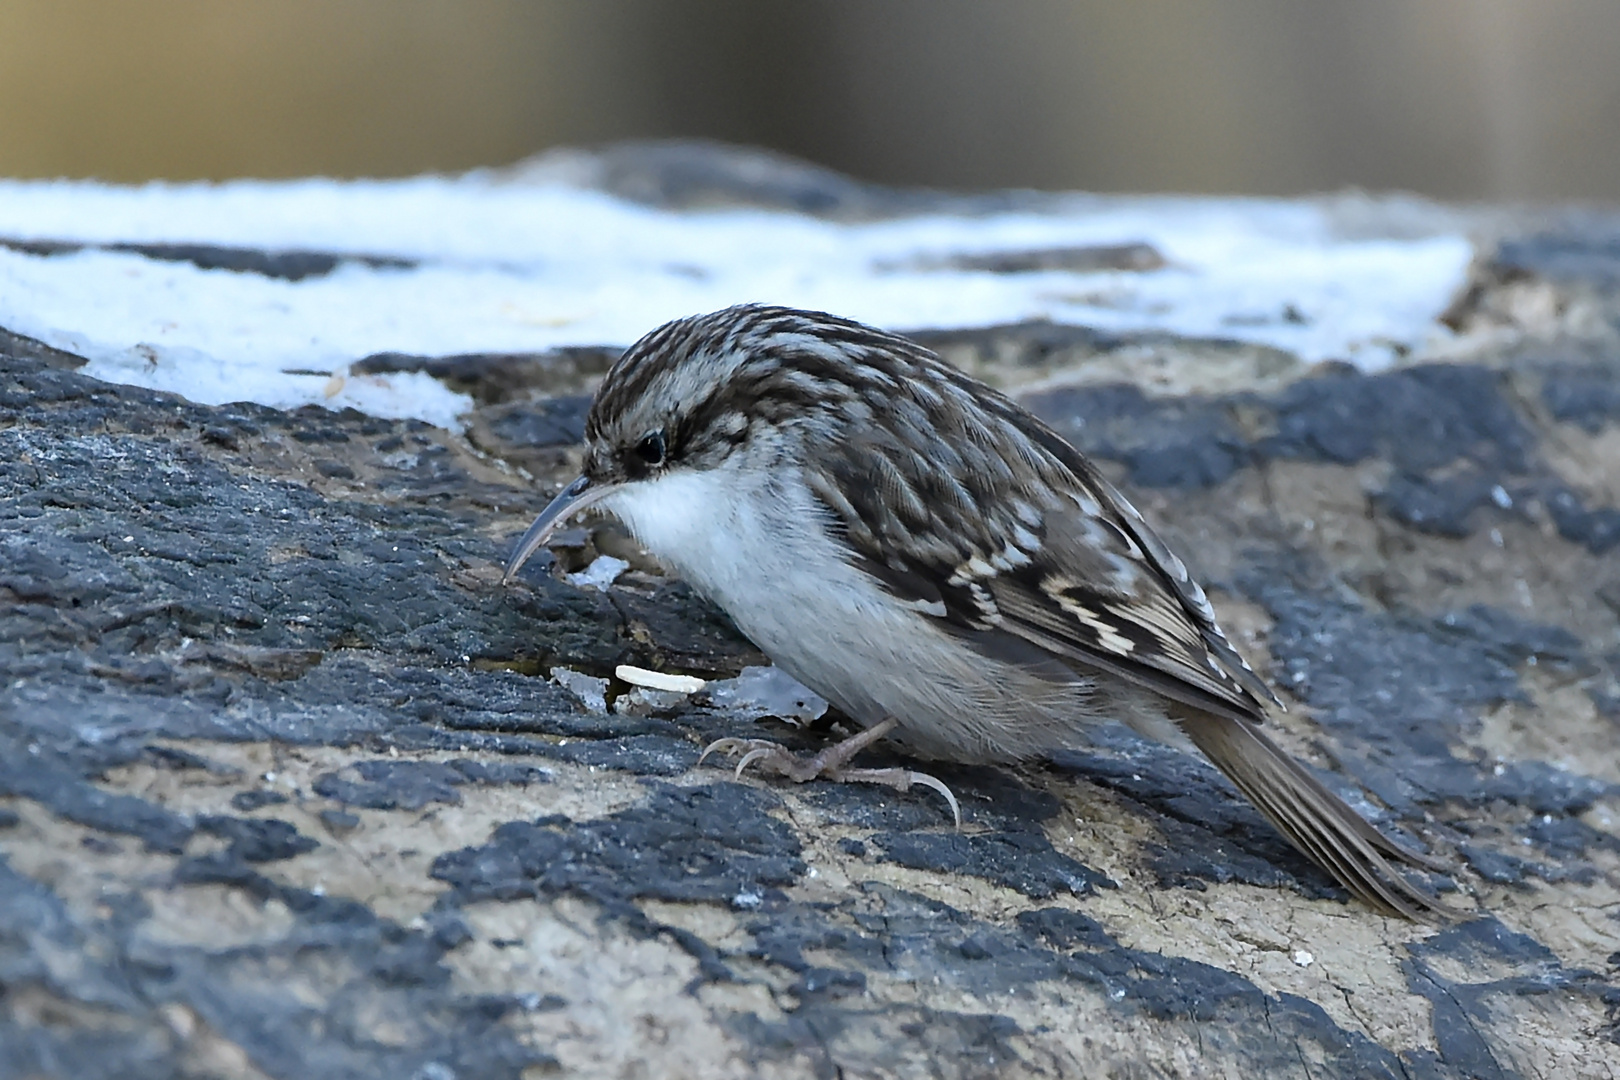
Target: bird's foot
(831, 764)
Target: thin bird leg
(830, 764)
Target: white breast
(754, 542)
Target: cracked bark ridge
(285, 791)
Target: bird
(936, 562)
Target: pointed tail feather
(1314, 819)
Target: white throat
(733, 533)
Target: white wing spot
(1131, 547)
(986, 603)
(1088, 505)
(1107, 636)
(1012, 557)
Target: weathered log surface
(284, 791)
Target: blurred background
(1460, 99)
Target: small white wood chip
(658, 680)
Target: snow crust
(509, 267)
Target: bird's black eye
(651, 448)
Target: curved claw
(751, 757)
(938, 785)
(732, 744)
(719, 746)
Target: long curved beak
(569, 501)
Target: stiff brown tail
(1314, 819)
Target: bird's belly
(874, 659)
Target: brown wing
(1014, 534)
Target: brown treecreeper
(936, 562)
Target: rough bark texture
(285, 792)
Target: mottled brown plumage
(930, 557)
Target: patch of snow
(640, 701)
(588, 690)
(768, 691)
(603, 571)
(503, 267)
